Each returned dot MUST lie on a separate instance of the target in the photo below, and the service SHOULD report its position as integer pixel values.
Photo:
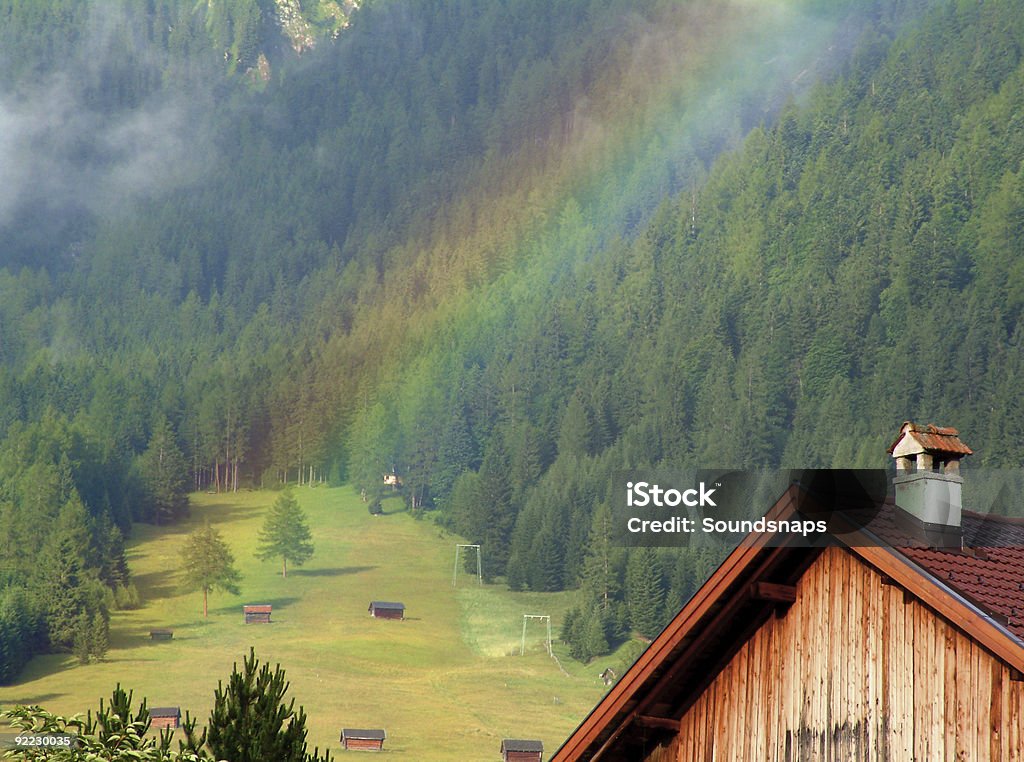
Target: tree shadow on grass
(130, 639)
(39, 699)
(158, 584)
(215, 513)
(338, 571)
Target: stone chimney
(928, 482)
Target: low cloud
(72, 146)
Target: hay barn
(387, 610)
(358, 739)
(882, 645)
(259, 614)
(520, 750)
(165, 717)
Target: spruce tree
(285, 534)
(250, 721)
(644, 592)
(601, 567)
(595, 639)
(495, 514)
(164, 473)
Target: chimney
(928, 482)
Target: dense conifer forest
(504, 249)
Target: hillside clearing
(448, 682)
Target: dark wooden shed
(161, 634)
(257, 614)
(521, 750)
(359, 739)
(165, 717)
(387, 610)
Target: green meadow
(446, 683)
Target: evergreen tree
(164, 474)
(595, 639)
(285, 534)
(208, 564)
(250, 721)
(600, 580)
(575, 433)
(62, 589)
(645, 592)
(496, 517)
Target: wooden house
(164, 717)
(519, 750)
(363, 740)
(257, 614)
(879, 645)
(161, 633)
(387, 610)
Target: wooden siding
(856, 670)
(363, 744)
(522, 756)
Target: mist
(91, 135)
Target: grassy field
(447, 683)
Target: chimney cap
(928, 438)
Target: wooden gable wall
(855, 670)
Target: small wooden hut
(520, 750)
(387, 610)
(359, 739)
(161, 633)
(165, 717)
(258, 614)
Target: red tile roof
(989, 571)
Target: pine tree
(601, 567)
(209, 565)
(644, 592)
(250, 721)
(81, 646)
(595, 640)
(575, 431)
(285, 534)
(495, 512)
(61, 587)
(164, 473)
(99, 636)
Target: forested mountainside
(429, 243)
